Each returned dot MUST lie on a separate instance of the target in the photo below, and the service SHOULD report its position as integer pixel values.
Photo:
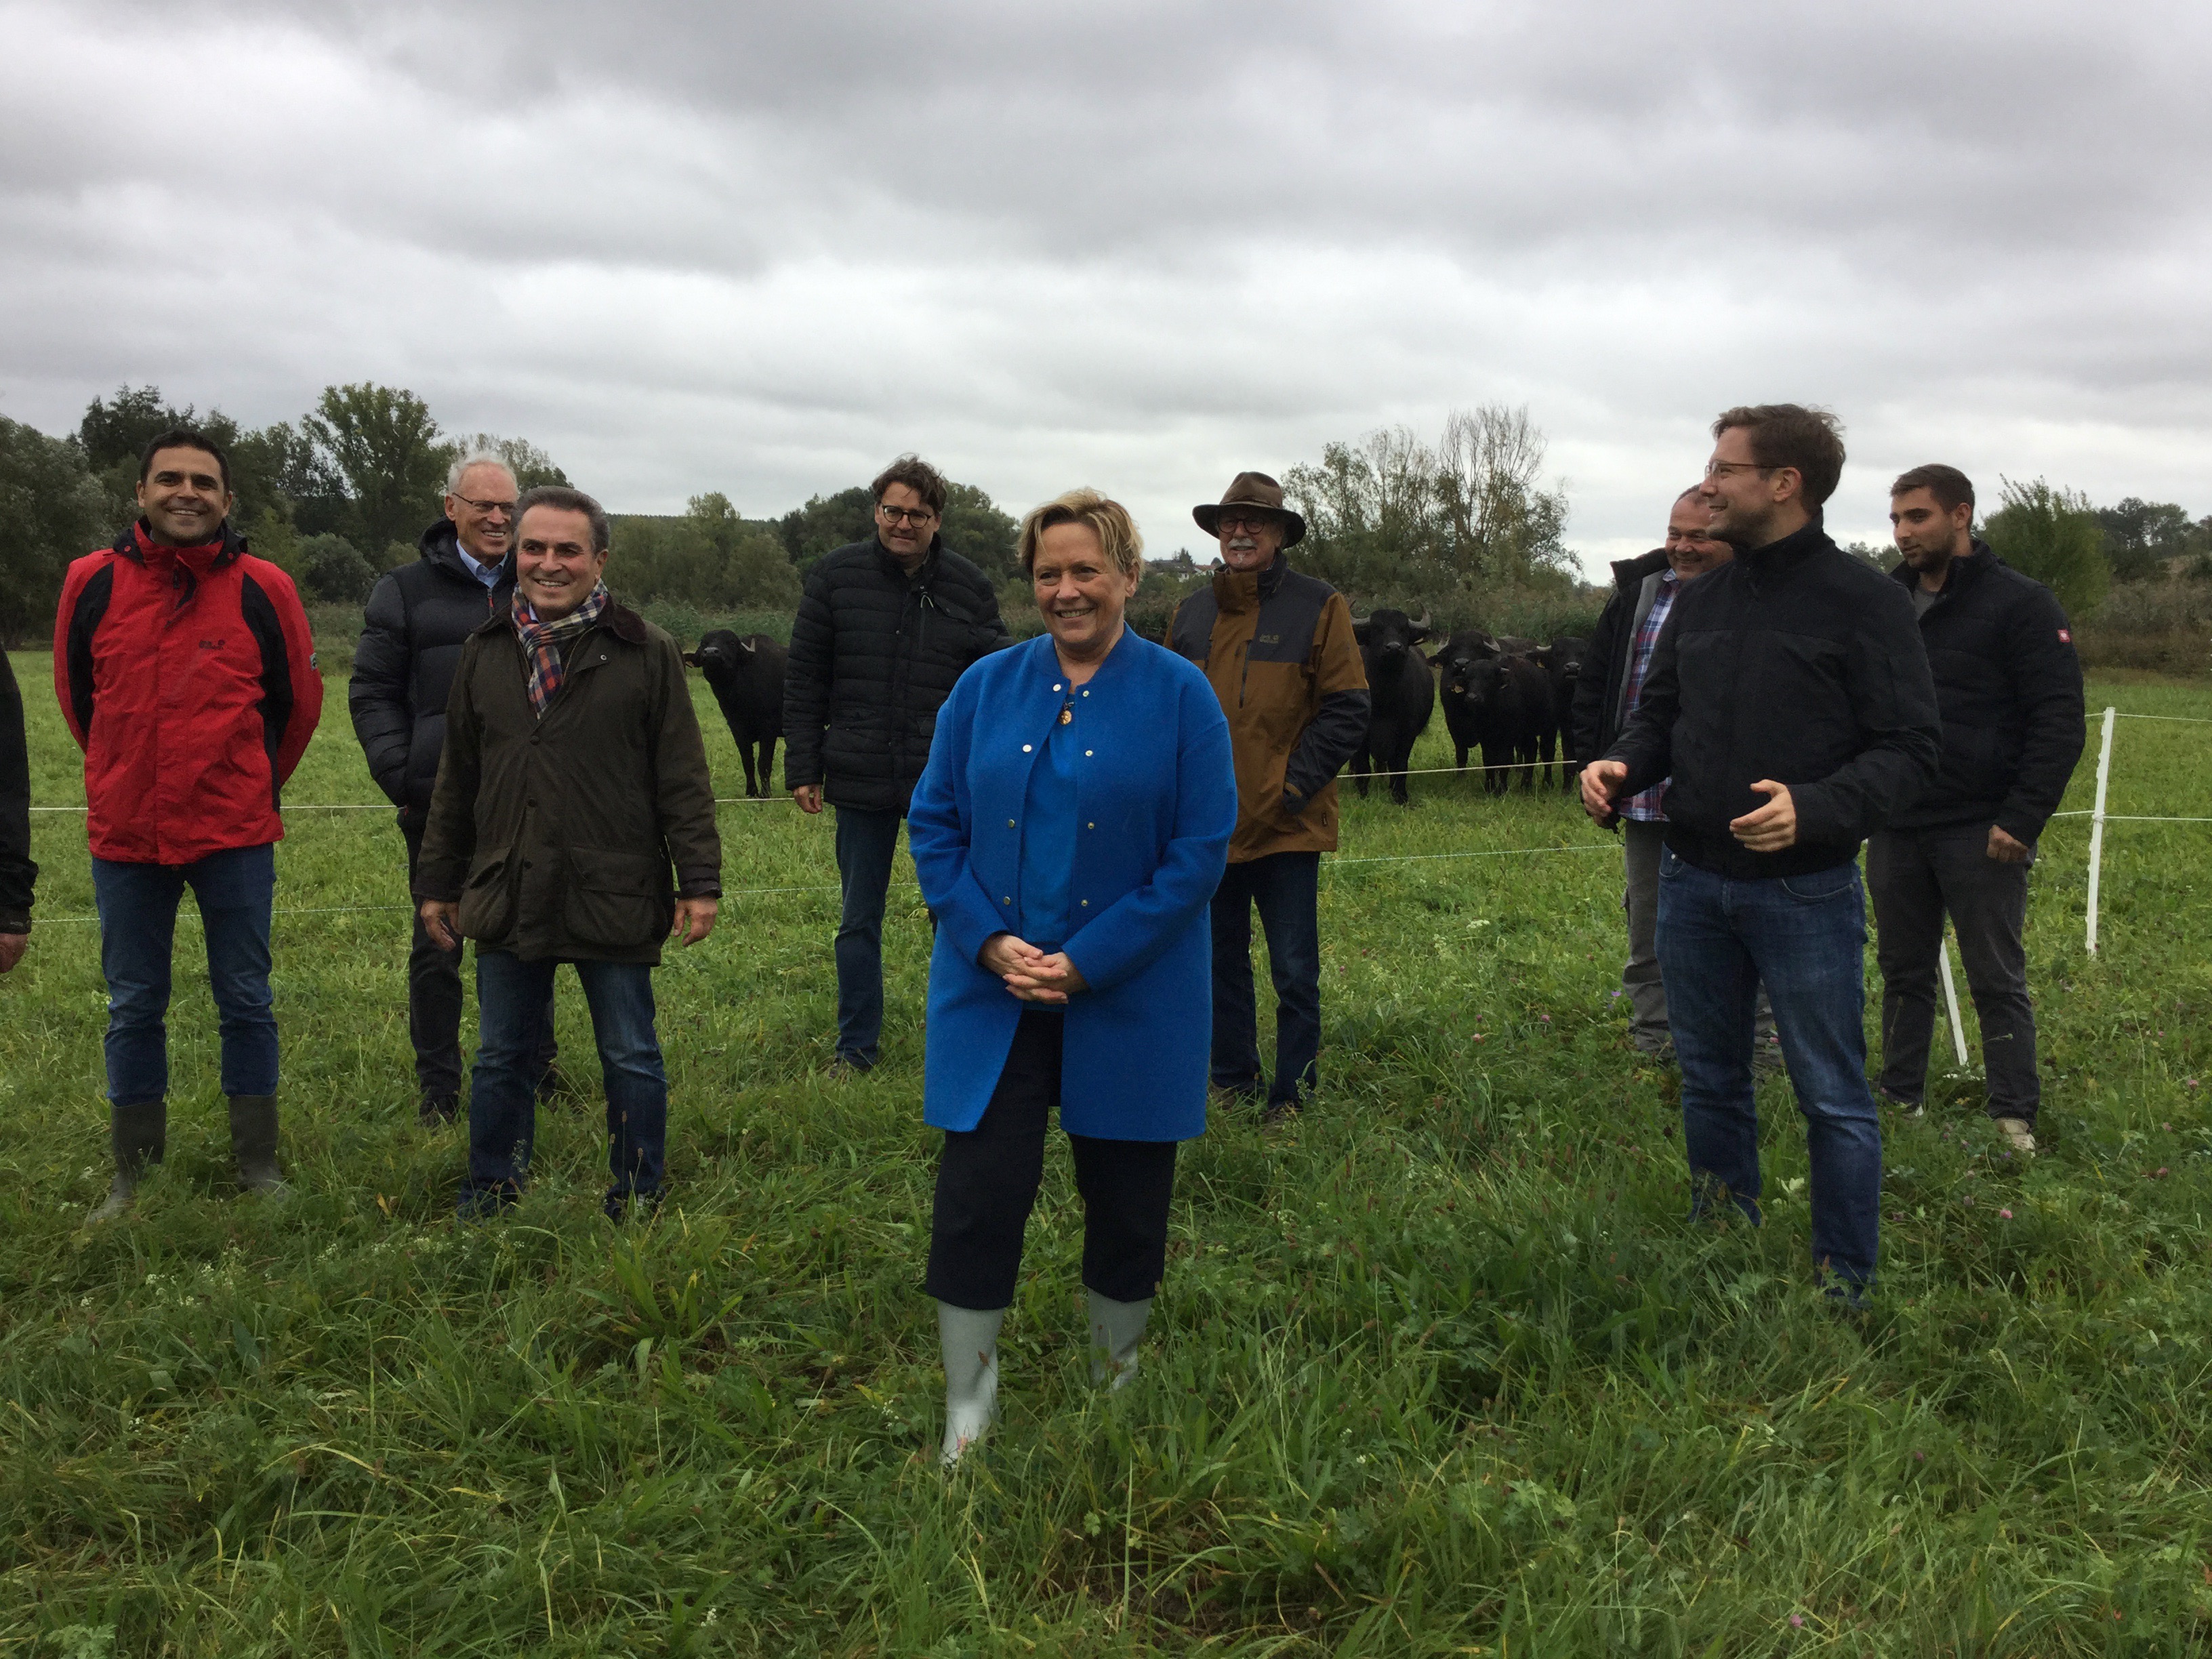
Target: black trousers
(433, 999)
(987, 1180)
(1914, 876)
(1286, 887)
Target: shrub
(332, 569)
(2052, 535)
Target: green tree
(2052, 535)
(973, 525)
(280, 481)
(55, 511)
(2140, 536)
(827, 522)
(383, 442)
(331, 568)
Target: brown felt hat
(1252, 490)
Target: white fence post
(1951, 1001)
(2097, 825)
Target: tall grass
(1441, 1370)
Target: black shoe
(553, 1086)
(486, 1203)
(848, 1065)
(619, 1207)
(436, 1111)
(1278, 1112)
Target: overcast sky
(761, 249)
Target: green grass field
(1441, 1370)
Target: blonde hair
(1106, 518)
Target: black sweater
(2010, 685)
(1793, 662)
(874, 654)
(412, 635)
(17, 873)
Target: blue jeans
(512, 998)
(137, 929)
(865, 842)
(1286, 888)
(1805, 937)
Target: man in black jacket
(2010, 685)
(885, 627)
(411, 641)
(1606, 693)
(17, 873)
(1790, 701)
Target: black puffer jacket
(1603, 682)
(1793, 662)
(2009, 684)
(874, 654)
(17, 873)
(402, 666)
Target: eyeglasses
(1730, 469)
(488, 508)
(916, 515)
(1248, 522)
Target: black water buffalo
(1563, 662)
(1500, 703)
(746, 677)
(1401, 695)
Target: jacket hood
(441, 545)
(1238, 591)
(1629, 573)
(137, 544)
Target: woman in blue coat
(1068, 832)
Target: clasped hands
(1768, 829)
(1032, 975)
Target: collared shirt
(486, 574)
(1649, 807)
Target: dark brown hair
(561, 499)
(1951, 488)
(1790, 435)
(183, 437)
(917, 475)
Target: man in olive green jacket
(573, 777)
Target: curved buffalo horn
(1422, 621)
(750, 645)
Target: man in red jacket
(186, 671)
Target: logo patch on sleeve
(2064, 637)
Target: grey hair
(461, 464)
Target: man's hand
(441, 919)
(695, 920)
(809, 797)
(2002, 848)
(1771, 827)
(12, 946)
(1600, 779)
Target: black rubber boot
(140, 1132)
(254, 1143)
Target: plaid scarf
(544, 642)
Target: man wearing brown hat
(1278, 648)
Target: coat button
(1086, 905)
(1090, 826)
(1086, 754)
(1008, 900)
(1026, 749)
(1055, 688)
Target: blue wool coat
(1156, 804)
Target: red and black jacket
(187, 675)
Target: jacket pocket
(619, 900)
(488, 900)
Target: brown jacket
(1278, 648)
(556, 834)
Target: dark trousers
(865, 842)
(1285, 886)
(987, 1184)
(1916, 876)
(137, 905)
(434, 1000)
(1805, 938)
(511, 1001)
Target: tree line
(1466, 526)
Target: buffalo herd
(1504, 695)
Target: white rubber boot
(1116, 1329)
(2018, 1135)
(969, 1342)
